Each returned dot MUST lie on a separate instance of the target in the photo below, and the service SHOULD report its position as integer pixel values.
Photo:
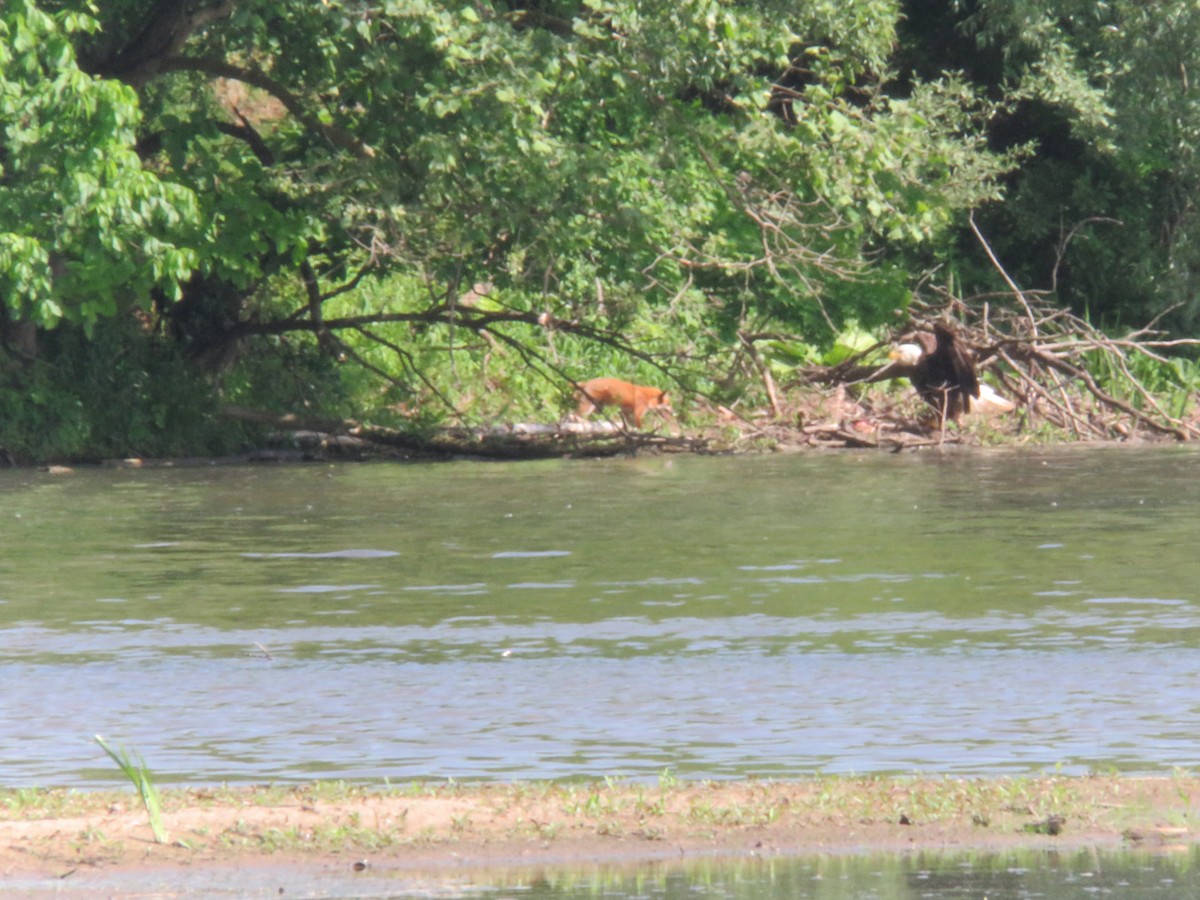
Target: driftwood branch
(343, 438)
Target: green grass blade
(139, 775)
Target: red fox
(634, 399)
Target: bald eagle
(943, 372)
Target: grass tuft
(137, 773)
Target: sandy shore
(64, 835)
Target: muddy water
(972, 613)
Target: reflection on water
(1004, 876)
(994, 876)
(971, 613)
(1000, 876)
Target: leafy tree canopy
(545, 145)
(85, 229)
(442, 197)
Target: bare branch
(987, 248)
(1061, 249)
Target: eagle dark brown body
(943, 372)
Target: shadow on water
(963, 613)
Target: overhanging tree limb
(219, 68)
(169, 26)
(157, 47)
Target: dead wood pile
(1068, 380)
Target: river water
(971, 613)
(1012, 875)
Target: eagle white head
(906, 354)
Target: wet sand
(339, 840)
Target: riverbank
(60, 833)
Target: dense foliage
(405, 210)
(1101, 213)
